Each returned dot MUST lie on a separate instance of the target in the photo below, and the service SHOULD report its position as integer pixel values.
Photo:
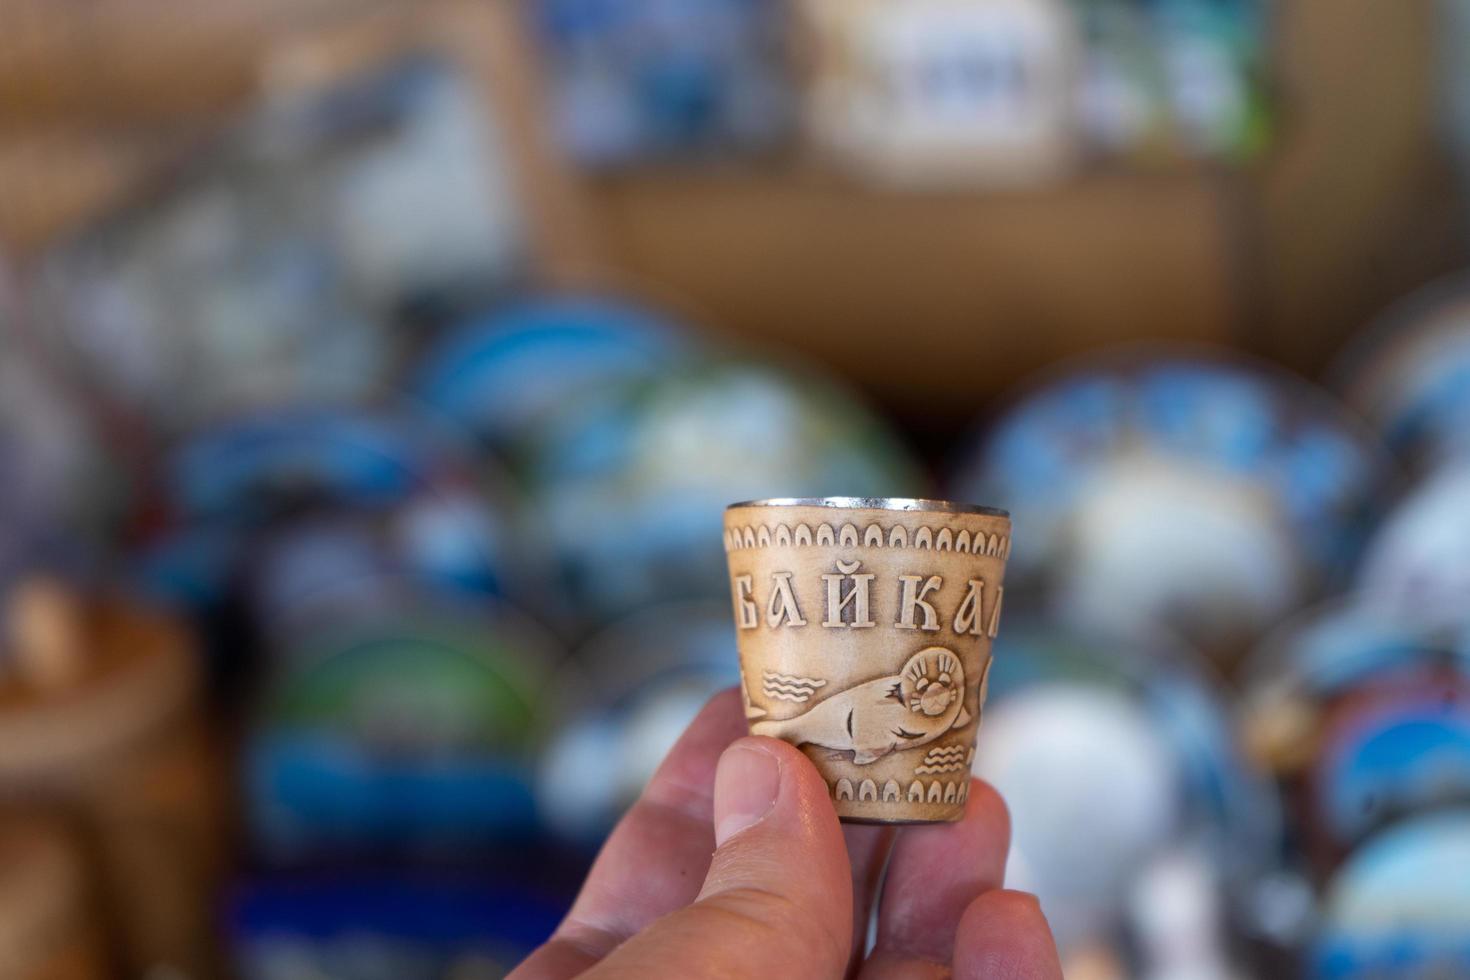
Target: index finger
(656, 858)
(935, 873)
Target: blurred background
(373, 375)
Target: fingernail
(746, 783)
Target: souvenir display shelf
(840, 264)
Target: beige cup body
(864, 636)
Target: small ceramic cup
(864, 627)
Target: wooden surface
(47, 923)
(112, 63)
(1356, 205)
(100, 98)
(60, 177)
(125, 753)
(931, 300)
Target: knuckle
(777, 921)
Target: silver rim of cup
(911, 504)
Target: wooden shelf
(934, 298)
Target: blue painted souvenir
(260, 465)
(1213, 60)
(633, 689)
(1347, 648)
(1400, 906)
(1128, 736)
(271, 507)
(627, 489)
(634, 80)
(401, 733)
(1409, 375)
(500, 373)
(1417, 565)
(1205, 494)
(1392, 752)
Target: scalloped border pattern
(872, 536)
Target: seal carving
(895, 713)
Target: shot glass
(864, 627)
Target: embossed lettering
(745, 609)
(783, 602)
(994, 627)
(912, 601)
(968, 618)
(857, 595)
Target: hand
(733, 864)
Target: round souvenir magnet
(1202, 493)
(1126, 735)
(1390, 751)
(1417, 565)
(500, 373)
(408, 731)
(1173, 79)
(627, 490)
(445, 544)
(1314, 663)
(630, 692)
(1400, 906)
(643, 81)
(1213, 60)
(943, 92)
(1122, 109)
(1409, 375)
(273, 507)
(279, 461)
(1326, 655)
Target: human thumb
(778, 897)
